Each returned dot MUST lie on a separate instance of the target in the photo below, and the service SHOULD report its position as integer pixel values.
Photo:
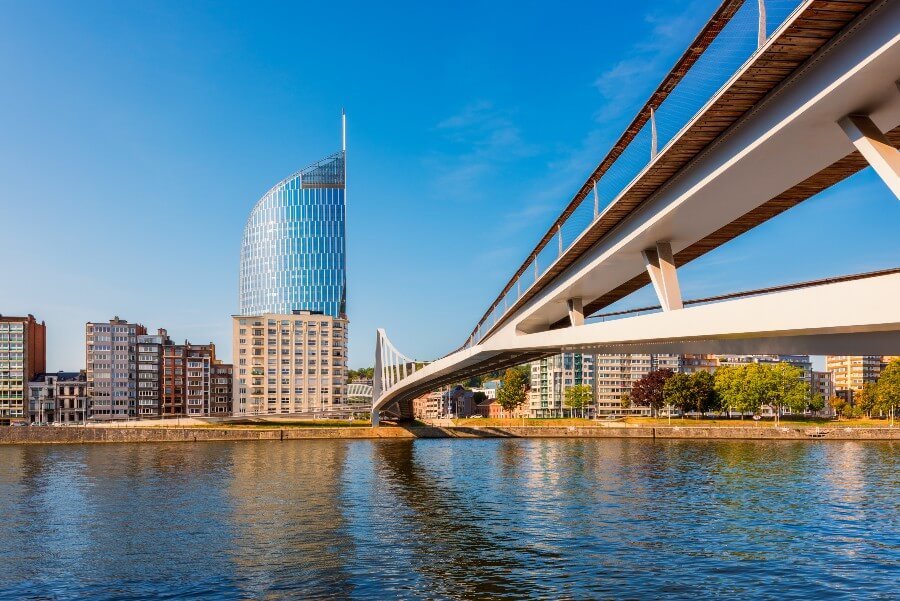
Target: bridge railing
(391, 366)
(736, 31)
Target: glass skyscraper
(293, 253)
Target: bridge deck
(780, 59)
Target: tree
(742, 387)
(648, 391)
(363, 373)
(747, 388)
(578, 396)
(816, 403)
(866, 400)
(786, 387)
(679, 392)
(888, 391)
(525, 370)
(839, 405)
(706, 399)
(511, 394)
(625, 401)
(727, 385)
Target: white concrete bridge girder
(660, 264)
(875, 148)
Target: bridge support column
(661, 267)
(875, 147)
(576, 311)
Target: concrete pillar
(576, 311)
(875, 147)
(660, 264)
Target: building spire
(343, 131)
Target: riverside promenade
(77, 435)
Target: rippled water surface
(452, 519)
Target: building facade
(57, 398)
(551, 376)
(149, 373)
(851, 372)
(23, 355)
(221, 393)
(429, 405)
(821, 383)
(290, 339)
(691, 364)
(111, 361)
(290, 364)
(71, 397)
(616, 374)
(293, 252)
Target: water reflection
(287, 521)
(451, 519)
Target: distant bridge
(751, 121)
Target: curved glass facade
(293, 251)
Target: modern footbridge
(750, 122)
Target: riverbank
(75, 435)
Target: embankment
(74, 435)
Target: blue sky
(136, 137)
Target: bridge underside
(773, 136)
(850, 317)
(833, 174)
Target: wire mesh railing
(732, 37)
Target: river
(451, 519)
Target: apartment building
(221, 394)
(71, 397)
(290, 363)
(149, 373)
(551, 376)
(57, 397)
(691, 364)
(616, 374)
(23, 355)
(111, 361)
(851, 372)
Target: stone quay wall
(75, 435)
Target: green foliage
(578, 396)
(625, 401)
(364, 373)
(866, 400)
(817, 403)
(786, 387)
(678, 392)
(705, 396)
(888, 390)
(525, 370)
(479, 397)
(747, 388)
(695, 392)
(512, 394)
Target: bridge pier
(576, 311)
(871, 142)
(660, 264)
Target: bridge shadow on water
(427, 431)
(464, 547)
